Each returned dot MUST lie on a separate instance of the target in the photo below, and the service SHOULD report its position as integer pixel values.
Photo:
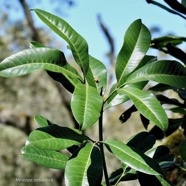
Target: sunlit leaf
(76, 42)
(41, 121)
(47, 158)
(133, 158)
(147, 105)
(165, 71)
(136, 43)
(97, 74)
(43, 140)
(86, 105)
(85, 168)
(116, 99)
(29, 60)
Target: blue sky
(117, 15)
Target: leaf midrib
(132, 157)
(146, 107)
(130, 57)
(64, 36)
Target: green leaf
(47, 158)
(116, 99)
(133, 158)
(86, 105)
(29, 60)
(162, 41)
(182, 150)
(46, 141)
(85, 168)
(136, 43)
(148, 105)
(165, 71)
(77, 43)
(97, 74)
(43, 122)
(57, 76)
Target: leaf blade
(165, 71)
(133, 159)
(47, 158)
(77, 43)
(84, 169)
(136, 43)
(86, 105)
(29, 60)
(148, 105)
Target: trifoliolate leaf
(77, 43)
(86, 105)
(148, 105)
(29, 60)
(133, 158)
(136, 43)
(97, 74)
(165, 71)
(85, 168)
(47, 158)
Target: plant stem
(102, 149)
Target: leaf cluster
(84, 163)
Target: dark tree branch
(165, 8)
(33, 31)
(176, 6)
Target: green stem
(102, 149)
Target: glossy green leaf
(54, 75)
(77, 43)
(86, 105)
(136, 43)
(97, 74)
(29, 60)
(47, 158)
(165, 71)
(116, 99)
(182, 150)
(41, 121)
(44, 140)
(85, 168)
(133, 158)
(147, 105)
